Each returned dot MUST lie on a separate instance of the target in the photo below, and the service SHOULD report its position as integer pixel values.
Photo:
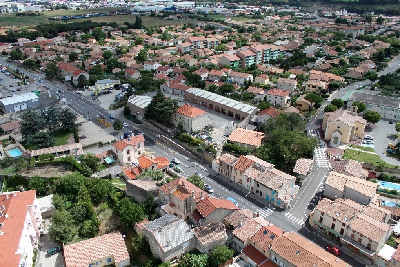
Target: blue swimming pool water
(389, 203)
(390, 185)
(15, 152)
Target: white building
(278, 97)
(137, 105)
(20, 225)
(191, 119)
(19, 102)
(129, 150)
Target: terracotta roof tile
(303, 166)
(278, 92)
(369, 227)
(16, 207)
(265, 236)
(243, 163)
(237, 216)
(340, 181)
(183, 189)
(248, 137)
(344, 116)
(396, 255)
(132, 173)
(228, 159)
(256, 256)
(208, 205)
(190, 111)
(269, 263)
(145, 162)
(273, 112)
(247, 230)
(162, 162)
(82, 253)
(210, 233)
(134, 140)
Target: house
(137, 105)
(267, 114)
(184, 47)
(343, 186)
(180, 197)
(190, 118)
(349, 167)
(215, 75)
(128, 150)
(144, 163)
(387, 256)
(209, 236)
(74, 149)
(225, 164)
(163, 70)
(246, 138)
(11, 127)
(239, 77)
(316, 86)
(387, 107)
(203, 73)
(303, 104)
(105, 250)
(343, 126)
(169, 237)
(151, 66)
(233, 61)
(364, 229)
(78, 73)
(19, 102)
(210, 210)
(261, 79)
(174, 87)
(291, 249)
(247, 57)
(287, 84)
(236, 219)
(303, 167)
(20, 228)
(278, 97)
(132, 74)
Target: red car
(334, 250)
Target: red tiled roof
(278, 92)
(16, 207)
(11, 125)
(162, 162)
(270, 111)
(183, 189)
(82, 253)
(248, 137)
(269, 263)
(243, 163)
(208, 205)
(265, 236)
(190, 111)
(145, 162)
(256, 256)
(134, 140)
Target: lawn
(61, 138)
(118, 183)
(10, 19)
(370, 149)
(366, 157)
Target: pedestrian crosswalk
(294, 219)
(321, 159)
(265, 212)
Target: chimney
(354, 110)
(192, 193)
(202, 195)
(239, 224)
(183, 183)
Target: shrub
(236, 149)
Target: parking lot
(383, 134)
(10, 86)
(47, 243)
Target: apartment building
(278, 97)
(248, 58)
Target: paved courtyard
(383, 134)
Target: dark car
(54, 251)
(390, 122)
(334, 250)
(102, 116)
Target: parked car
(11, 85)
(176, 161)
(125, 124)
(111, 116)
(390, 122)
(208, 189)
(368, 141)
(199, 174)
(177, 169)
(78, 92)
(233, 200)
(391, 151)
(102, 116)
(54, 251)
(368, 137)
(334, 250)
(171, 165)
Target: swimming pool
(388, 203)
(390, 185)
(15, 152)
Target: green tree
(361, 107)
(16, 54)
(96, 70)
(30, 63)
(161, 108)
(107, 55)
(368, 19)
(140, 245)
(220, 255)
(39, 184)
(67, 119)
(197, 181)
(52, 71)
(263, 105)
(90, 161)
(194, 260)
(372, 116)
(117, 125)
(31, 123)
(314, 98)
(127, 111)
(139, 41)
(335, 85)
(221, 47)
(90, 228)
(99, 190)
(98, 34)
(73, 56)
(398, 126)
(138, 23)
(337, 102)
(130, 213)
(141, 56)
(62, 226)
(41, 140)
(69, 186)
(156, 175)
(330, 108)
(82, 81)
(380, 20)
(150, 205)
(227, 88)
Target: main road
(292, 220)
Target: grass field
(10, 19)
(61, 138)
(366, 157)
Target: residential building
(239, 77)
(105, 250)
(267, 114)
(278, 97)
(11, 127)
(343, 186)
(215, 75)
(19, 102)
(292, 250)
(236, 219)
(132, 74)
(137, 105)
(169, 237)
(233, 61)
(220, 104)
(180, 197)
(151, 66)
(225, 164)
(387, 107)
(209, 236)
(20, 228)
(246, 138)
(303, 104)
(269, 51)
(248, 58)
(342, 126)
(316, 86)
(189, 118)
(210, 210)
(144, 163)
(261, 79)
(74, 149)
(287, 84)
(303, 168)
(139, 189)
(349, 167)
(127, 151)
(387, 257)
(363, 229)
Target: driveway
(382, 134)
(46, 243)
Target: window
(128, 151)
(129, 158)
(333, 226)
(109, 260)
(359, 240)
(321, 219)
(248, 180)
(342, 231)
(352, 236)
(261, 194)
